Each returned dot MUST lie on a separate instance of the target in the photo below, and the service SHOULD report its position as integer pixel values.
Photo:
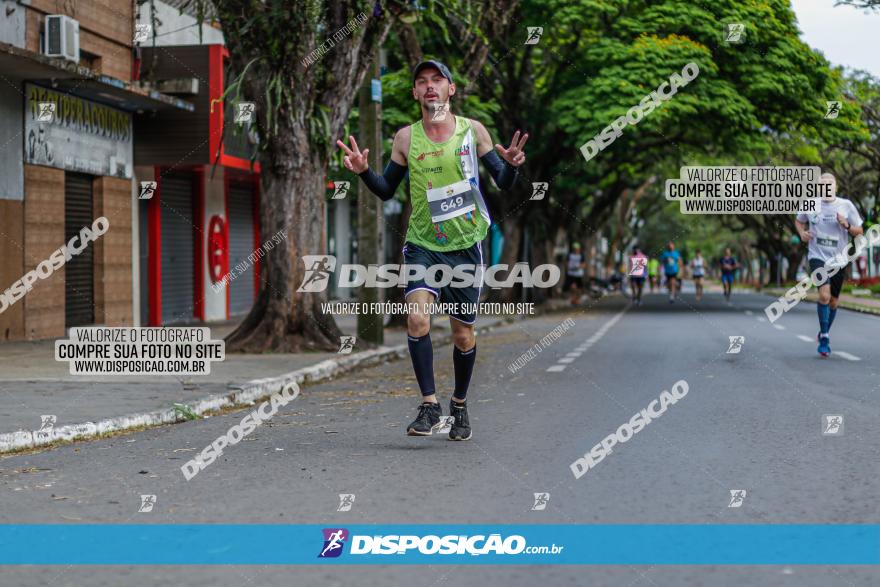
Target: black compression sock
(464, 367)
(422, 354)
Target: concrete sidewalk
(33, 384)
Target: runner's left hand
(841, 219)
(514, 154)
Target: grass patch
(185, 412)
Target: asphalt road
(750, 421)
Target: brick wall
(113, 274)
(105, 29)
(11, 266)
(44, 232)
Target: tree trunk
(542, 252)
(395, 294)
(773, 270)
(794, 259)
(513, 231)
(283, 319)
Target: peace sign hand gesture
(354, 160)
(514, 154)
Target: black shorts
(573, 280)
(836, 280)
(461, 296)
(671, 276)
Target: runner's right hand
(354, 160)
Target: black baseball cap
(444, 71)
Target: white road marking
(759, 319)
(575, 354)
(590, 341)
(779, 327)
(805, 338)
(847, 356)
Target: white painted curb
(244, 394)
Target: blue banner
(265, 544)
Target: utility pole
(371, 225)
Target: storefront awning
(18, 64)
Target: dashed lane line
(564, 361)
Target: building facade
(202, 222)
(68, 109)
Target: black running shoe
(427, 420)
(461, 425)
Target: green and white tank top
(448, 211)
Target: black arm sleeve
(501, 171)
(386, 184)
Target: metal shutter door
(175, 198)
(79, 301)
(241, 245)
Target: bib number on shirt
(451, 200)
(827, 242)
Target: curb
(846, 305)
(240, 395)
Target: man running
(827, 235)
(669, 258)
(653, 271)
(449, 220)
(728, 270)
(698, 269)
(637, 274)
(574, 273)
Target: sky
(845, 35)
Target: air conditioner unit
(62, 37)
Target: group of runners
(654, 270)
(450, 219)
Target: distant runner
(728, 270)
(827, 236)
(653, 272)
(670, 258)
(637, 274)
(698, 267)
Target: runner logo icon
(318, 270)
(541, 500)
(539, 190)
(832, 108)
(736, 344)
(340, 189)
(147, 503)
(535, 33)
(244, 112)
(346, 500)
(735, 33)
(334, 540)
(142, 32)
(638, 266)
(736, 498)
(148, 188)
(832, 425)
(46, 111)
(47, 422)
(346, 344)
